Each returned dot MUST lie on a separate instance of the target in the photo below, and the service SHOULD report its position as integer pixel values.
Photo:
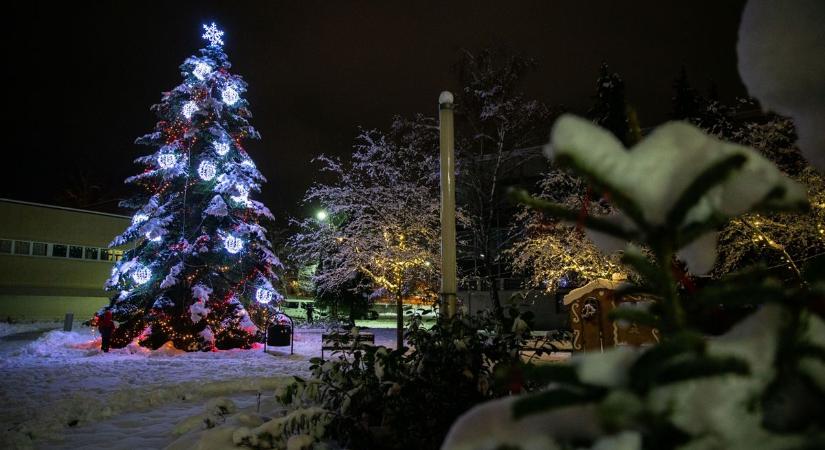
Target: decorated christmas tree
(199, 252)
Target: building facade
(54, 260)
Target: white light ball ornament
(167, 160)
(263, 295)
(141, 275)
(188, 109)
(201, 70)
(233, 244)
(221, 148)
(207, 170)
(230, 96)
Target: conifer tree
(199, 252)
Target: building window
(118, 255)
(22, 247)
(91, 253)
(106, 255)
(59, 250)
(5, 246)
(75, 252)
(39, 248)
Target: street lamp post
(447, 161)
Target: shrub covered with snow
(380, 398)
(758, 386)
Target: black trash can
(279, 335)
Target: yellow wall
(43, 287)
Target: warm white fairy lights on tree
(199, 250)
(381, 216)
(550, 251)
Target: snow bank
(61, 386)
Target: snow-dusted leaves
(677, 179)
(655, 173)
(217, 207)
(171, 279)
(198, 311)
(201, 291)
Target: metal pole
(448, 258)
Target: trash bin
(279, 335)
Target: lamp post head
(321, 215)
(445, 97)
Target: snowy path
(62, 392)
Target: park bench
(344, 341)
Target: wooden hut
(590, 307)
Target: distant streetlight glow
(321, 215)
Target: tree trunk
(494, 297)
(399, 325)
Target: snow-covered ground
(60, 391)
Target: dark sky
(84, 74)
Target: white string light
(230, 96)
(206, 170)
(233, 244)
(213, 34)
(201, 70)
(167, 160)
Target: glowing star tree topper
(213, 35)
(197, 241)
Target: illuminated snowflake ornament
(213, 34)
(141, 274)
(207, 170)
(188, 109)
(221, 148)
(230, 96)
(232, 244)
(167, 160)
(201, 70)
(263, 295)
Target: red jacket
(105, 322)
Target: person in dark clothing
(106, 326)
(310, 310)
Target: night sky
(83, 76)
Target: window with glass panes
(22, 247)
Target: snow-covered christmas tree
(199, 251)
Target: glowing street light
(321, 215)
